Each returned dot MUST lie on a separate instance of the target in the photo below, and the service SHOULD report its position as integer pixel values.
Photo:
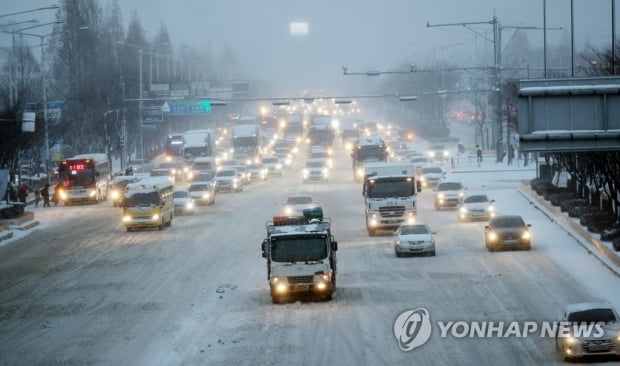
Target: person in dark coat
(45, 193)
(22, 192)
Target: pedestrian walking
(37, 196)
(22, 192)
(56, 195)
(45, 193)
(479, 153)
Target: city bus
(84, 178)
(148, 203)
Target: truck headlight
(411, 219)
(280, 284)
(492, 236)
(491, 209)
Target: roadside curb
(592, 245)
(28, 225)
(6, 235)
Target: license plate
(477, 213)
(301, 287)
(597, 348)
(511, 241)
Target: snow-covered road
(81, 290)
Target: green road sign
(187, 106)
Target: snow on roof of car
(583, 306)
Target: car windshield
(160, 172)
(299, 200)
(431, 170)
(198, 188)
(121, 183)
(476, 199)
(255, 166)
(320, 155)
(225, 173)
(270, 160)
(298, 249)
(315, 164)
(592, 316)
(413, 230)
(180, 194)
(508, 221)
(449, 186)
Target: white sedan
(183, 202)
(295, 205)
(414, 238)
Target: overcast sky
(360, 34)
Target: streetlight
(52, 7)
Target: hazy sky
(360, 34)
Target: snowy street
(81, 290)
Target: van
(148, 203)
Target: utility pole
(140, 108)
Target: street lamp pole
(140, 107)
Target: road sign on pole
(188, 106)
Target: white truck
(246, 139)
(301, 258)
(390, 190)
(198, 143)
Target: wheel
(169, 224)
(527, 247)
(432, 254)
(437, 207)
(490, 248)
(161, 224)
(129, 229)
(371, 232)
(398, 254)
(327, 297)
(276, 300)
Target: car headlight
(360, 172)
(173, 171)
(411, 219)
(155, 217)
(206, 195)
(491, 208)
(114, 195)
(463, 209)
(446, 154)
(189, 205)
(62, 194)
(492, 236)
(325, 171)
(126, 218)
(422, 178)
(278, 166)
(431, 154)
(190, 175)
(396, 241)
(525, 235)
(92, 193)
(288, 210)
(440, 196)
(571, 340)
(461, 194)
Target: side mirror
(529, 225)
(492, 201)
(334, 246)
(434, 232)
(486, 227)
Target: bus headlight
(114, 195)
(155, 217)
(126, 218)
(62, 194)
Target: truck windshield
(298, 249)
(390, 188)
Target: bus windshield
(142, 199)
(83, 178)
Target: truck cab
(390, 200)
(301, 257)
